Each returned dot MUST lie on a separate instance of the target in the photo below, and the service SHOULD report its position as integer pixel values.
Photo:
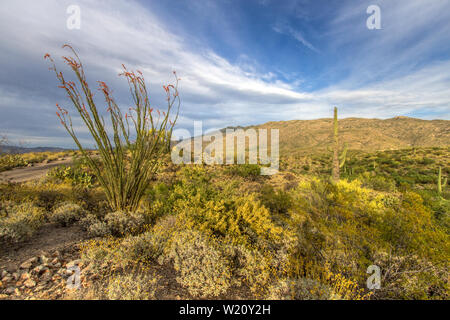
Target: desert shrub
(138, 286)
(118, 253)
(242, 220)
(411, 277)
(6, 206)
(72, 175)
(21, 221)
(202, 269)
(10, 161)
(250, 171)
(116, 224)
(301, 289)
(254, 268)
(102, 253)
(345, 225)
(277, 201)
(149, 246)
(410, 227)
(333, 223)
(67, 214)
(377, 182)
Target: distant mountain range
(16, 149)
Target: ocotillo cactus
(441, 183)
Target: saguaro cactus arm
(441, 183)
(343, 156)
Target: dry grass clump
(19, 222)
(119, 253)
(137, 286)
(67, 214)
(300, 289)
(201, 266)
(150, 246)
(117, 224)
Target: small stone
(69, 272)
(16, 276)
(7, 279)
(4, 273)
(73, 263)
(3, 296)
(17, 291)
(56, 277)
(10, 290)
(43, 259)
(28, 264)
(55, 261)
(25, 276)
(46, 275)
(30, 283)
(40, 269)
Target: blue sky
(241, 62)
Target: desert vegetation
(150, 229)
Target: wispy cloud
(296, 34)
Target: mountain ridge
(300, 136)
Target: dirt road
(30, 173)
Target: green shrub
(72, 175)
(251, 171)
(241, 220)
(379, 183)
(10, 161)
(277, 201)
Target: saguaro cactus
(441, 183)
(338, 160)
(335, 170)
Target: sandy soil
(30, 173)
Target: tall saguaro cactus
(441, 183)
(335, 170)
(338, 160)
